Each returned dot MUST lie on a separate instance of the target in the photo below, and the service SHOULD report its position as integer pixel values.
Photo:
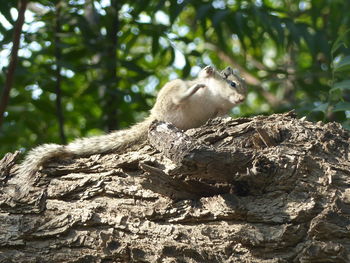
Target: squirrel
(185, 104)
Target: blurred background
(88, 67)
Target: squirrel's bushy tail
(113, 142)
(38, 156)
(25, 174)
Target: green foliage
(339, 93)
(116, 54)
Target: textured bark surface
(263, 189)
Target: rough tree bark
(263, 189)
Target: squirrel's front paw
(209, 70)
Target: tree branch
(292, 203)
(58, 90)
(13, 59)
(110, 96)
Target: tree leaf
(343, 85)
(131, 65)
(219, 16)
(187, 68)
(195, 53)
(343, 64)
(322, 107)
(340, 41)
(172, 55)
(341, 106)
(203, 11)
(175, 9)
(155, 44)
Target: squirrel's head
(237, 83)
(230, 86)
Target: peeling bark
(263, 189)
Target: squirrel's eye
(233, 84)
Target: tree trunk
(263, 189)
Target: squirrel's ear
(227, 72)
